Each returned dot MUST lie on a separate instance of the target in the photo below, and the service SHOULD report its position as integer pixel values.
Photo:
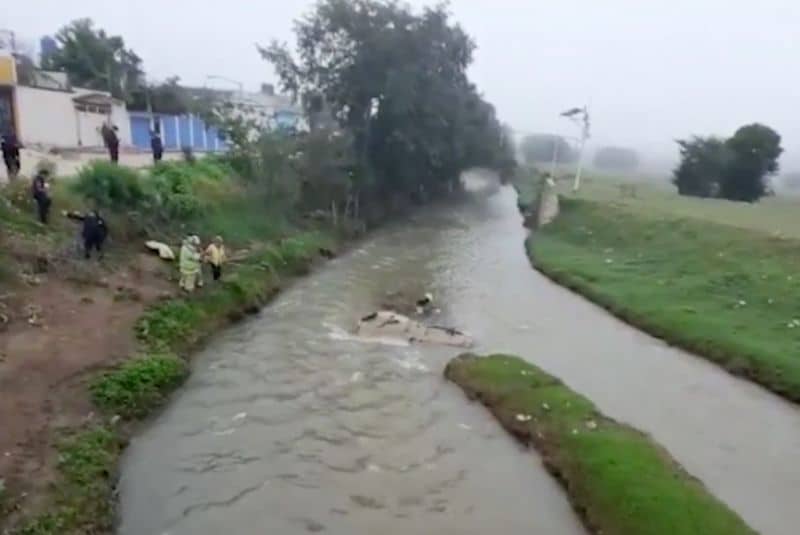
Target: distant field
(776, 216)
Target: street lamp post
(579, 116)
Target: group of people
(94, 229)
(193, 256)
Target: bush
(111, 186)
(139, 385)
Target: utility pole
(579, 116)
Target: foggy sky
(651, 71)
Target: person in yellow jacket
(215, 256)
(189, 262)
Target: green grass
(774, 216)
(138, 386)
(618, 479)
(83, 501)
(720, 291)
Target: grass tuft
(138, 386)
(83, 504)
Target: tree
(734, 169)
(703, 163)
(616, 159)
(396, 82)
(94, 60)
(754, 150)
(540, 148)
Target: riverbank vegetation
(616, 477)
(720, 291)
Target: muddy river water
(290, 426)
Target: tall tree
(95, 60)
(755, 150)
(396, 81)
(702, 166)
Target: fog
(650, 71)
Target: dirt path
(60, 332)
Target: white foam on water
(341, 335)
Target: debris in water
(545, 406)
(367, 502)
(465, 427)
(240, 416)
(524, 417)
(356, 377)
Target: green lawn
(775, 216)
(726, 293)
(618, 479)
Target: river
(288, 425)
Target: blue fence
(177, 131)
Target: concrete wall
(48, 117)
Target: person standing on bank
(215, 256)
(94, 231)
(111, 140)
(189, 264)
(156, 145)
(10, 147)
(40, 189)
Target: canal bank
(82, 498)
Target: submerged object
(388, 324)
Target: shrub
(138, 385)
(112, 186)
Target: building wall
(46, 117)
(177, 132)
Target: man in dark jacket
(94, 232)
(40, 189)
(10, 147)
(157, 145)
(111, 140)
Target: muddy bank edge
(618, 480)
(83, 500)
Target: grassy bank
(617, 478)
(722, 292)
(272, 246)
